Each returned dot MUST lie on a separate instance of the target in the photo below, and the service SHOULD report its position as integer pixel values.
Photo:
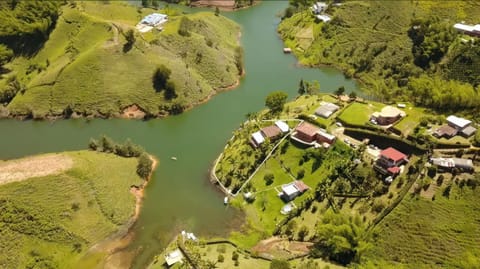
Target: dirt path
(38, 166)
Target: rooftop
(282, 125)
(258, 137)
(307, 128)
(457, 121)
(174, 257)
(289, 189)
(301, 186)
(391, 112)
(446, 130)
(393, 154)
(469, 130)
(326, 109)
(271, 131)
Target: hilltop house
(271, 132)
(325, 110)
(389, 161)
(472, 30)
(174, 257)
(387, 115)
(455, 125)
(312, 135)
(293, 189)
(151, 21)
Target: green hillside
(51, 221)
(389, 45)
(85, 69)
(443, 233)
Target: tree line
(126, 149)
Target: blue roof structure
(154, 19)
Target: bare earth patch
(38, 166)
(133, 112)
(276, 247)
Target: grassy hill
(388, 44)
(421, 233)
(51, 221)
(83, 68)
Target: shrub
(269, 178)
(220, 258)
(234, 256)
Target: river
(179, 195)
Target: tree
(352, 95)
(340, 90)
(217, 11)
(279, 264)
(302, 233)
(301, 87)
(145, 3)
(269, 177)
(144, 166)
(184, 27)
(5, 55)
(93, 144)
(155, 4)
(130, 37)
(275, 101)
(160, 77)
(313, 87)
(107, 144)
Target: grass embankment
(438, 232)
(83, 69)
(369, 40)
(51, 221)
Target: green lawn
(51, 221)
(411, 120)
(358, 114)
(84, 67)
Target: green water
(180, 195)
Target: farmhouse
(446, 131)
(257, 139)
(457, 122)
(387, 115)
(473, 30)
(456, 125)
(323, 18)
(154, 19)
(309, 134)
(389, 161)
(326, 110)
(271, 132)
(293, 189)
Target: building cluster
(455, 126)
(271, 132)
(318, 10)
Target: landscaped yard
(358, 114)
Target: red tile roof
(301, 186)
(393, 154)
(394, 170)
(307, 129)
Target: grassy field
(369, 40)
(358, 114)
(441, 233)
(83, 67)
(51, 221)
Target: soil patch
(133, 112)
(38, 166)
(276, 247)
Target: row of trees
(126, 149)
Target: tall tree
(301, 87)
(275, 101)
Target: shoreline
(119, 241)
(227, 8)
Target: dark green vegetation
(51, 221)
(127, 150)
(398, 49)
(94, 63)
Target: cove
(180, 195)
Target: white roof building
(324, 18)
(326, 135)
(174, 257)
(463, 27)
(282, 126)
(289, 189)
(458, 122)
(258, 137)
